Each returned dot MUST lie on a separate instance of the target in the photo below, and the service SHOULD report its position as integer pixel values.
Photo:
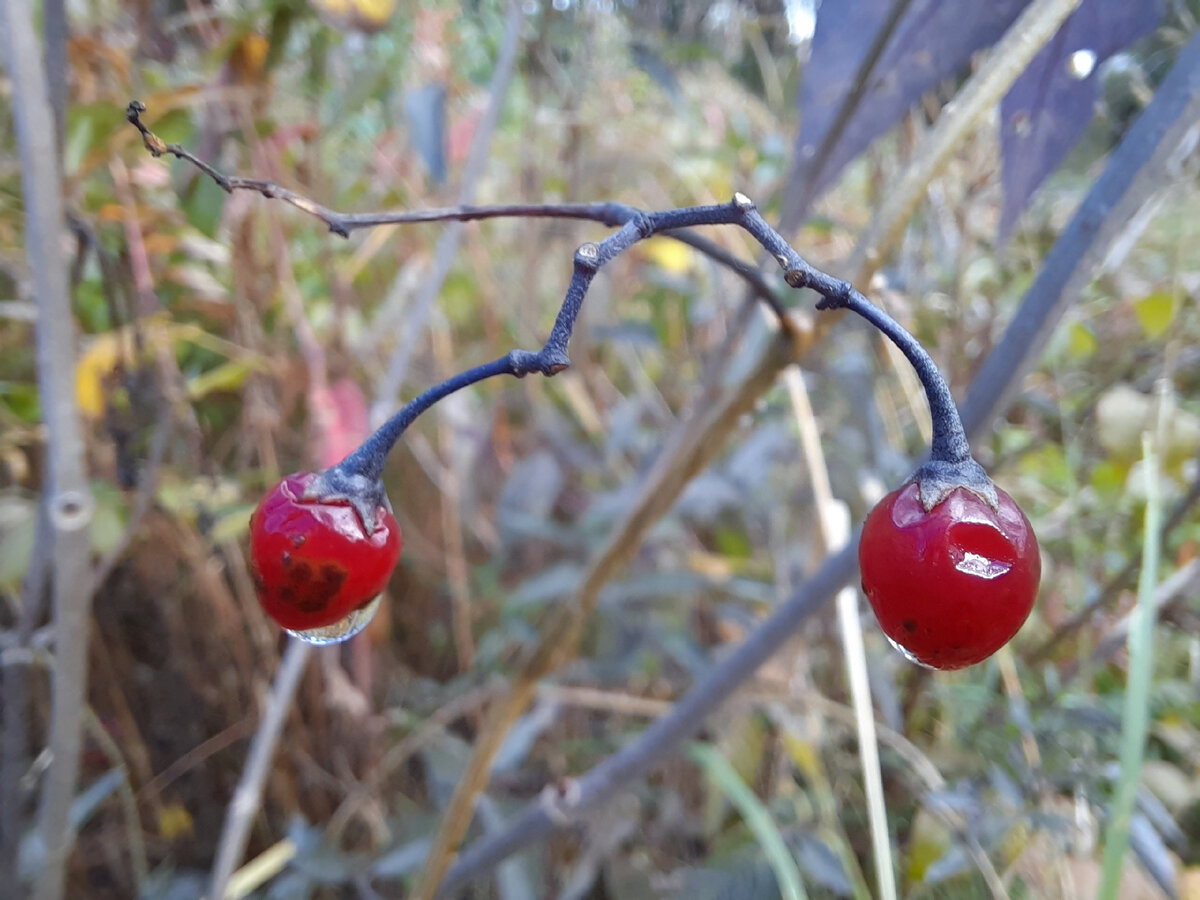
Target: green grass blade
(1135, 721)
(756, 817)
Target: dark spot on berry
(332, 577)
(259, 584)
(302, 571)
(287, 560)
(910, 625)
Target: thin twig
(608, 213)
(244, 805)
(66, 494)
(834, 531)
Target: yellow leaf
(667, 254)
(107, 350)
(247, 58)
(174, 821)
(365, 15)
(1081, 343)
(373, 14)
(93, 368)
(1155, 313)
(1189, 883)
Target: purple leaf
(1052, 102)
(933, 40)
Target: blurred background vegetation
(229, 339)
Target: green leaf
(755, 815)
(203, 206)
(108, 518)
(18, 523)
(228, 376)
(1155, 313)
(1135, 718)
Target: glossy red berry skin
(312, 560)
(952, 585)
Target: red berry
(952, 585)
(312, 559)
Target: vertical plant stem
(245, 803)
(66, 496)
(1135, 721)
(835, 534)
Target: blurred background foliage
(229, 339)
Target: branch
(610, 214)
(66, 496)
(1169, 117)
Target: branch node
(587, 257)
(742, 202)
(70, 511)
(796, 278)
(643, 224)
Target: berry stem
(949, 443)
(370, 456)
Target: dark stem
(949, 439)
(950, 448)
(368, 459)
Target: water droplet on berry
(908, 655)
(342, 630)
